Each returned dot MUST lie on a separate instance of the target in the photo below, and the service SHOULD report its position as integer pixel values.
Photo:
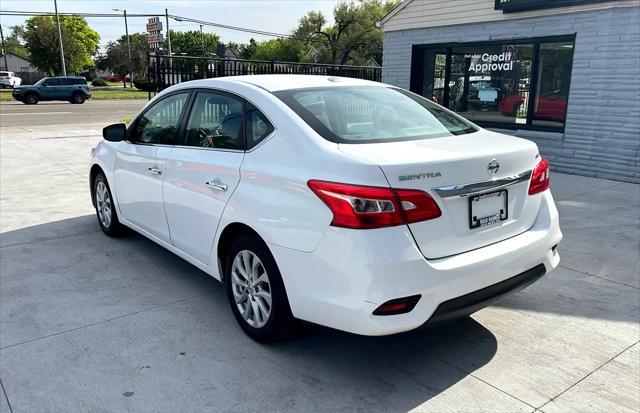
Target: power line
(225, 26)
(174, 17)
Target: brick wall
(602, 133)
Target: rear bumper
(477, 300)
(352, 272)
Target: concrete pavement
(90, 323)
(96, 112)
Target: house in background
(17, 64)
(22, 68)
(562, 73)
(372, 62)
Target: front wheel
(30, 99)
(256, 292)
(105, 209)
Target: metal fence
(165, 71)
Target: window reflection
(554, 76)
(492, 83)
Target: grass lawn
(6, 96)
(105, 94)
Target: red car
(551, 105)
(117, 78)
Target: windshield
(41, 81)
(369, 114)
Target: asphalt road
(95, 112)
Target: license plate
(487, 209)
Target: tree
(244, 50)
(13, 43)
(79, 41)
(354, 36)
(284, 50)
(190, 43)
(117, 56)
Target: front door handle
(155, 170)
(217, 185)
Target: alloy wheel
(251, 288)
(103, 204)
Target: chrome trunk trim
(480, 187)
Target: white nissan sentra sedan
(346, 203)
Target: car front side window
(160, 123)
(51, 82)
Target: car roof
(274, 83)
(64, 77)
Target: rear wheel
(31, 99)
(78, 98)
(105, 209)
(256, 292)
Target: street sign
(154, 36)
(154, 27)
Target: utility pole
(202, 40)
(4, 49)
(126, 30)
(64, 69)
(166, 15)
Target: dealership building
(563, 73)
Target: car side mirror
(115, 133)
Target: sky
(279, 16)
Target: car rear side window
(159, 124)
(72, 81)
(370, 114)
(216, 121)
(257, 126)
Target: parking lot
(91, 323)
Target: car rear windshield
(370, 114)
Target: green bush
(144, 84)
(89, 77)
(99, 82)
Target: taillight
(539, 177)
(365, 207)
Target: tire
(261, 321)
(31, 99)
(105, 210)
(78, 98)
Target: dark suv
(71, 88)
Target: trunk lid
(444, 168)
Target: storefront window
(492, 83)
(552, 91)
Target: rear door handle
(217, 185)
(155, 170)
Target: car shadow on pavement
(60, 277)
